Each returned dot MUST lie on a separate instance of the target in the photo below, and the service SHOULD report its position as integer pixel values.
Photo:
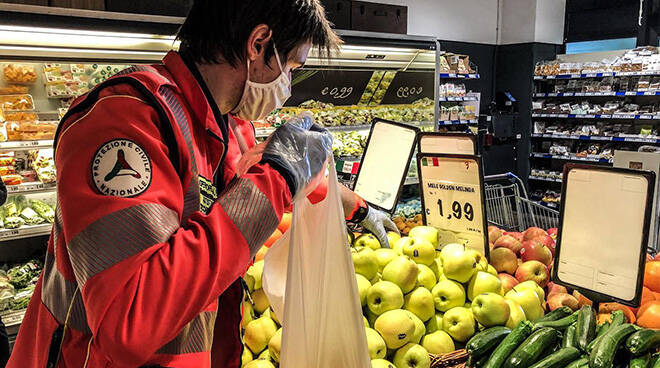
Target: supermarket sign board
(338, 87)
(409, 86)
(452, 191)
(603, 233)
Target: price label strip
(453, 198)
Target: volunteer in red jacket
(154, 224)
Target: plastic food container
(13, 89)
(16, 102)
(19, 73)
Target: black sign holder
(559, 264)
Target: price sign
(456, 143)
(451, 187)
(407, 87)
(339, 87)
(338, 93)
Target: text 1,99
(458, 211)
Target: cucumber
(509, 344)
(586, 327)
(569, 337)
(602, 355)
(558, 359)
(481, 362)
(483, 342)
(640, 362)
(579, 363)
(618, 318)
(643, 341)
(531, 349)
(556, 314)
(560, 324)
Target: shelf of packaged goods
(457, 122)
(25, 232)
(599, 139)
(595, 75)
(599, 116)
(13, 318)
(25, 145)
(541, 178)
(458, 76)
(571, 157)
(457, 99)
(597, 94)
(411, 181)
(30, 188)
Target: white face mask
(260, 99)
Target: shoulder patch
(121, 168)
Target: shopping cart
(506, 208)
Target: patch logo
(121, 168)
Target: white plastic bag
(312, 266)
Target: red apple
(516, 235)
(508, 281)
(508, 241)
(548, 241)
(533, 232)
(494, 233)
(553, 232)
(558, 300)
(554, 288)
(504, 260)
(533, 250)
(535, 271)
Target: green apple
(255, 271)
(419, 250)
(420, 302)
(531, 285)
(381, 363)
(450, 249)
(428, 233)
(248, 314)
(265, 355)
(275, 346)
(258, 333)
(398, 245)
(412, 356)
(384, 256)
(259, 363)
(363, 287)
(271, 314)
(376, 278)
(490, 309)
(459, 323)
(371, 317)
(403, 272)
(426, 277)
(482, 262)
(392, 238)
(367, 241)
(261, 302)
(246, 357)
(458, 265)
(366, 321)
(528, 300)
(365, 262)
(483, 282)
(435, 323)
(516, 314)
(396, 327)
(436, 267)
(384, 296)
(491, 270)
(249, 281)
(376, 344)
(438, 342)
(420, 329)
(448, 294)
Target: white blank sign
(449, 144)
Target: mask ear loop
(279, 63)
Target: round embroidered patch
(121, 168)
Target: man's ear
(258, 40)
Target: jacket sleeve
(350, 200)
(144, 275)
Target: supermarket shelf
(25, 232)
(597, 94)
(13, 318)
(265, 132)
(598, 138)
(458, 76)
(599, 116)
(594, 75)
(411, 181)
(25, 145)
(545, 179)
(457, 122)
(30, 188)
(571, 157)
(452, 99)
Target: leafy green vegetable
(42, 209)
(31, 217)
(13, 222)
(22, 298)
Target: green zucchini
(618, 318)
(509, 344)
(586, 327)
(531, 349)
(579, 363)
(569, 337)
(481, 362)
(602, 328)
(558, 359)
(655, 361)
(640, 362)
(643, 341)
(560, 324)
(602, 355)
(556, 314)
(483, 342)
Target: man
(158, 214)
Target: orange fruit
(582, 300)
(611, 307)
(285, 223)
(648, 315)
(652, 275)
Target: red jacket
(143, 261)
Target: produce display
(349, 143)
(17, 283)
(18, 211)
(35, 166)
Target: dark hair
(217, 30)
